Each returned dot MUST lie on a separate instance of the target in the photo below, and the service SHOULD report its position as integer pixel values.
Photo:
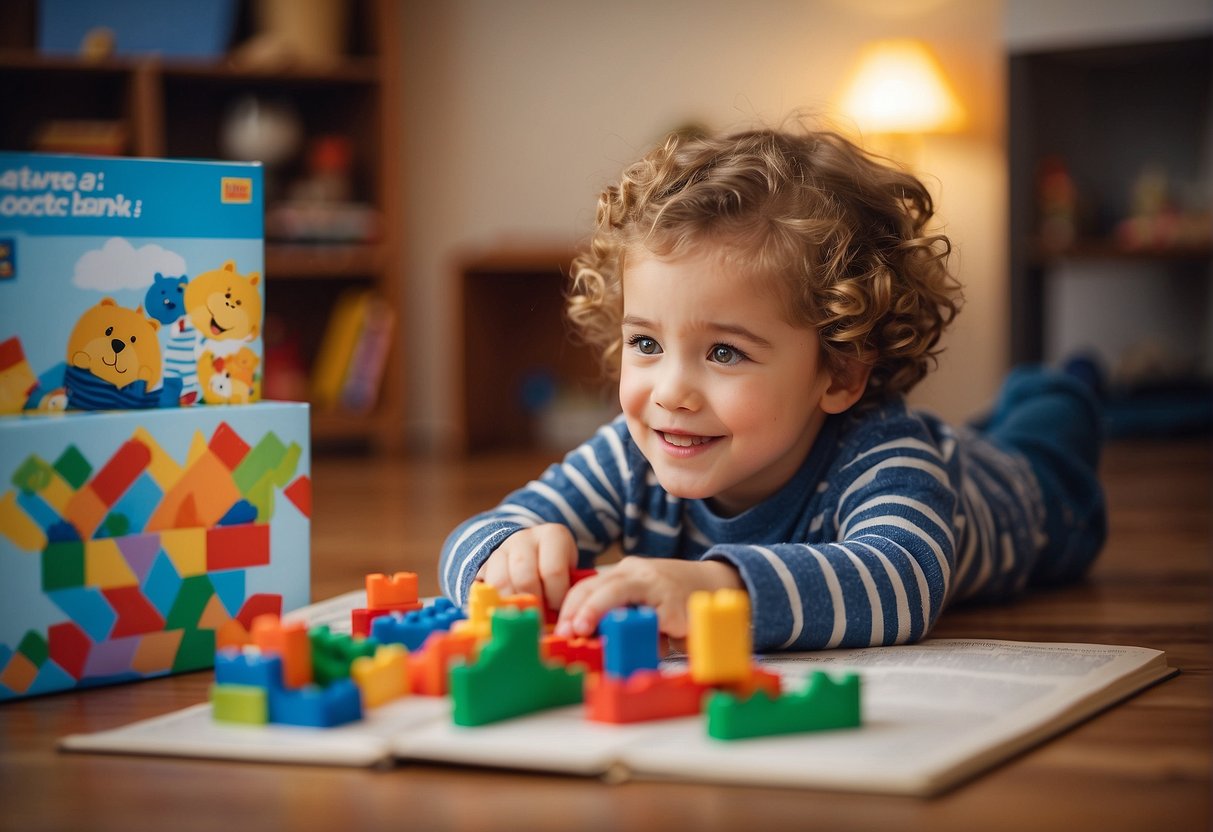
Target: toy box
(130, 541)
(129, 283)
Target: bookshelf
(1109, 151)
(177, 108)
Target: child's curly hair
(845, 230)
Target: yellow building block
(718, 636)
(186, 548)
(163, 468)
(16, 525)
(482, 600)
(382, 677)
(104, 565)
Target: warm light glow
(899, 87)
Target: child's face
(722, 394)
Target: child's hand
(536, 561)
(662, 584)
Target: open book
(934, 714)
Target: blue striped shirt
(892, 515)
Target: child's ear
(847, 385)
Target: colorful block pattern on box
(129, 283)
(131, 542)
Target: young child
(767, 299)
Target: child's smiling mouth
(686, 440)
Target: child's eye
(644, 345)
(724, 354)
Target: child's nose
(675, 390)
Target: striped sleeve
(583, 492)
(884, 576)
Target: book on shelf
(349, 365)
(934, 715)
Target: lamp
(899, 89)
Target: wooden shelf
(1102, 249)
(302, 261)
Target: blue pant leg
(1054, 420)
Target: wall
(517, 113)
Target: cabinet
(526, 381)
(1111, 154)
(178, 108)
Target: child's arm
(581, 495)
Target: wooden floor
(1143, 765)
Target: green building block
(34, 647)
(196, 650)
(243, 704)
(333, 653)
(509, 678)
(73, 467)
(824, 704)
(62, 565)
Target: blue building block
(630, 641)
(412, 628)
(233, 667)
(316, 707)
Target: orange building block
(583, 651)
(760, 679)
(288, 641)
(398, 592)
(429, 667)
(19, 674)
(231, 633)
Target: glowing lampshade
(899, 87)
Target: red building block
(227, 445)
(69, 647)
(643, 696)
(360, 620)
(429, 667)
(136, 615)
(584, 651)
(237, 547)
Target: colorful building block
(718, 636)
(383, 676)
(412, 628)
(645, 695)
(823, 704)
(630, 641)
(73, 467)
(586, 652)
(333, 653)
(316, 707)
(253, 668)
(240, 704)
(122, 469)
(398, 592)
(288, 641)
(509, 679)
(69, 647)
(237, 547)
(429, 669)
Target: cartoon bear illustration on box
(113, 360)
(217, 311)
(228, 379)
